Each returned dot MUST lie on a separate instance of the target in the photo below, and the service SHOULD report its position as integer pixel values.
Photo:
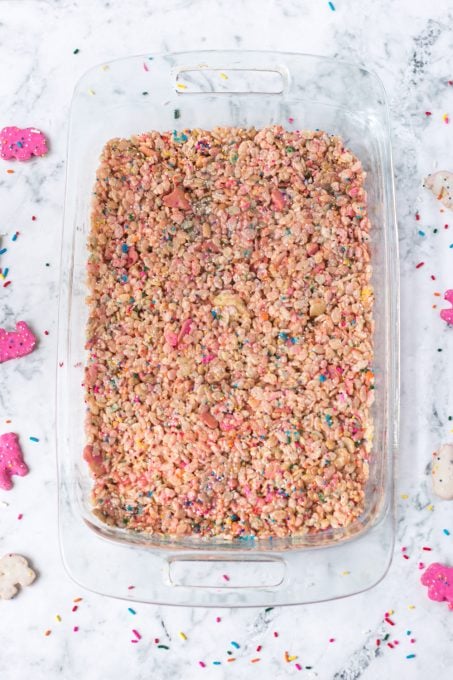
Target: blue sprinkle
(332, 6)
(19, 144)
(216, 663)
(322, 378)
(421, 233)
(5, 272)
(14, 237)
(451, 245)
(124, 247)
(329, 420)
(149, 494)
(408, 632)
(132, 611)
(410, 656)
(3, 251)
(283, 336)
(446, 532)
(34, 439)
(214, 314)
(124, 278)
(235, 645)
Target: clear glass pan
(205, 89)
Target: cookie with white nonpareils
(14, 571)
(442, 472)
(441, 185)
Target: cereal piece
(14, 571)
(177, 199)
(442, 472)
(250, 279)
(447, 314)
(441, 185)
(439, 579)
(11, 460)
(21, 143)
(18, 343)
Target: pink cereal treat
(229, 382)
(16, 344)
(439, 579)
(11, 460)
(21, 143)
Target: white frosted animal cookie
(442, 472)
(441, 185)
(14, 571)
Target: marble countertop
(410, 46)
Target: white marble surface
(409, 44)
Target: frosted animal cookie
(11, 460)
(14, 571)
(22, 144)
(442, 472)
(441, 185)
(447, 314)
(18, 343)
(439, 579)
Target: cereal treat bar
(228, 381)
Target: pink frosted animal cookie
(11, 460)
(22, 143)
(447, 314)
(441, 185)
(18, 343)
(439, 579)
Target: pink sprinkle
(417, 216)
(404, 548)
(218, 619)
(130, 587)
(412, 640)
(75, 629)
(332, 640)
(420, 264)
(406, 557)
(428, 113)
(396, 642)
(275, 633)
(378, 642)
(202, 664)
(421, 565)
(75, 608)
(389, 620)
(426, 548)
(20, 516)
(137, 634)
(226, 577)
(259, 648)
(156, 641)
(134, 641)
(290, 120)
(298, 666)
(433, 277)
(389, 644)
(145, 66)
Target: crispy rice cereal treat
(229, 380)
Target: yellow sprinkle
(181, 86)
(292, 658)
(183, 636)
(223, 76)
(345, 573)
(404, 496)
(58, 617)
(366, 292)
(105, 67)
(430, 507)
(411, 606)
(92, 92)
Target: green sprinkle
(132, 611)
(177, 114)
(76, 51)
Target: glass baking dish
(204, 89)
